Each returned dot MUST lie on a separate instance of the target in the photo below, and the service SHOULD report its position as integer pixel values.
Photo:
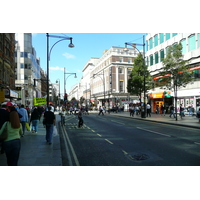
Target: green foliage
(136, 82)
(176, 70)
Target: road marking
(124, 152)
(118, 122)
(99, 135)
(92, 130)
(108, 141)
(197, 143)
(154, 132)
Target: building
(157, 44)
(7, 67)
(27, 69)
(109, 78)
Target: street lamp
(143, 114)
(49, 53)
(66, 80)
(58, 81)
(103, 83)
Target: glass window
(161, 38)
(192, 42)
(151, 60)
(155, 40)
(198, 39)
(22, 65)
(162, 55)
(147, 46)
(156, 57)
(151, 43)
(120, 70)
(174, 34)
(121, 83)
(167, 36)
(183, 42)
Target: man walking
(101, 110)
(50, 122)
(23, 112)
(148, 110)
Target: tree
(138, 75)
(175, 73)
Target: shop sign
(156, 95)
(39, 101)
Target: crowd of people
(14, 121)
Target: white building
(157, 44)
(27, 69)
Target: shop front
(157, 100)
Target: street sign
(39, 101)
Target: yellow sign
(2, 95)
(40, 101)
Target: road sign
(40, 101)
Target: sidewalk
(188, 121)
(35, 151)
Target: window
(22, 65)
(174, 34)
(129, 60)
(161, 38)
(147, 46)
(198, 39)
(192, 42)
(183, 42)
(120, 70)
(151, 43)
(120, 59)
(121, 84)
(155, 40)
(129, 70)
(151, 60)
(162, 55)
(167, 36)
(156, 57)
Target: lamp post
(143, 114)
(66, 80)
(58, 81)
(103, 83)
(49, 53)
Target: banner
(39, 101)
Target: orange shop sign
(156, 95)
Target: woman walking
(35, 116)
(12, 144)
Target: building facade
(7, 67)
(27, 69)
(157, 45)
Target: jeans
(12, 150)
(23, 126)
(49, 132)
(35, 125)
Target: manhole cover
(140, 157)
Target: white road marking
(99, 135)
(154, 132)
(108, 141)
(197, 143)
(118, 122)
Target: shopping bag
(55, 132)
(27, 126)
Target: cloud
(56, 68)
(69, 56)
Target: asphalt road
(116, 141)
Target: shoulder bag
(4, 134)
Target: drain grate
(140, 157)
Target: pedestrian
(50, 122)
(71, 110)
(4, 116)
(157, 109)
(171, 109)
(181, 111)
(80, 118)
(148, 110)
(22, 111)
(12, 143)
(101, 110)
(35, 116)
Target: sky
(87, 45)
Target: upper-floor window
(192, 42)
(161, 38)
(183, 42)
(120, 70)
(155, 40)
(151, 60)
(162, 55)
(198, 39)
(174, 34)
(129, 60)
(120, 59)
(121, 86)
(156, 57)
(167, 36)
(151, 43)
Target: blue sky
(87, 45)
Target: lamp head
(75, 76)
(71, 44)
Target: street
(116, 141)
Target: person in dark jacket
(35, 116)
(50, 122)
